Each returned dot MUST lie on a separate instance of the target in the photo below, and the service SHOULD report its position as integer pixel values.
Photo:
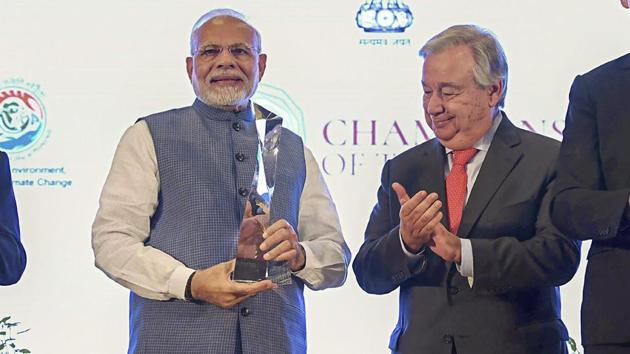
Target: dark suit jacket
(12, 255)
(592, 195)
(519, 257)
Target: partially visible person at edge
(12, 254)
(462, 223)
(168, 223)
(592, 199)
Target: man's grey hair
(490, 60)
(223, 13)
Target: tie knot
(461, 157)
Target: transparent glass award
(250, 264)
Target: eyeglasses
(238, 51)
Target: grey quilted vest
(206, 160)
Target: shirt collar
(215, 113)
(483, 144)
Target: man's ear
(262, 64)
(495, 91)
(189, 67)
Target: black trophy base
(248, 270)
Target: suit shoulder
(608, 68)
(539, 144)
(4, 164)
(414, 151)
(539, 148)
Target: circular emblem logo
(23, 121)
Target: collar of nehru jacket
(215, 113)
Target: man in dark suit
(12, 255)
(482, 276)
(592, 199)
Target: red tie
(456, 186)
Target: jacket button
(243, 192)
(236, 126)
(453, 290)
(245, 312)
(240, 157)
(447, 339)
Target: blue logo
(23, 119)
(384, 16)
(279, 102)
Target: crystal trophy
(250, 264)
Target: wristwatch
(188, 292)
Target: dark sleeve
(381, 265)
(582, 207)
(12, 255)
(547, 259)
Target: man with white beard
(170, 211)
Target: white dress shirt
(473, 167)
(122, 225)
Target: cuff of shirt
(412, 256)
(413, 259)
(466, 267)
(177, 282)
(308, 273)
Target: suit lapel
(430, 177)
(500, 160)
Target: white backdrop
(98, 66)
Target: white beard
(229, 96)
(226, 96)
